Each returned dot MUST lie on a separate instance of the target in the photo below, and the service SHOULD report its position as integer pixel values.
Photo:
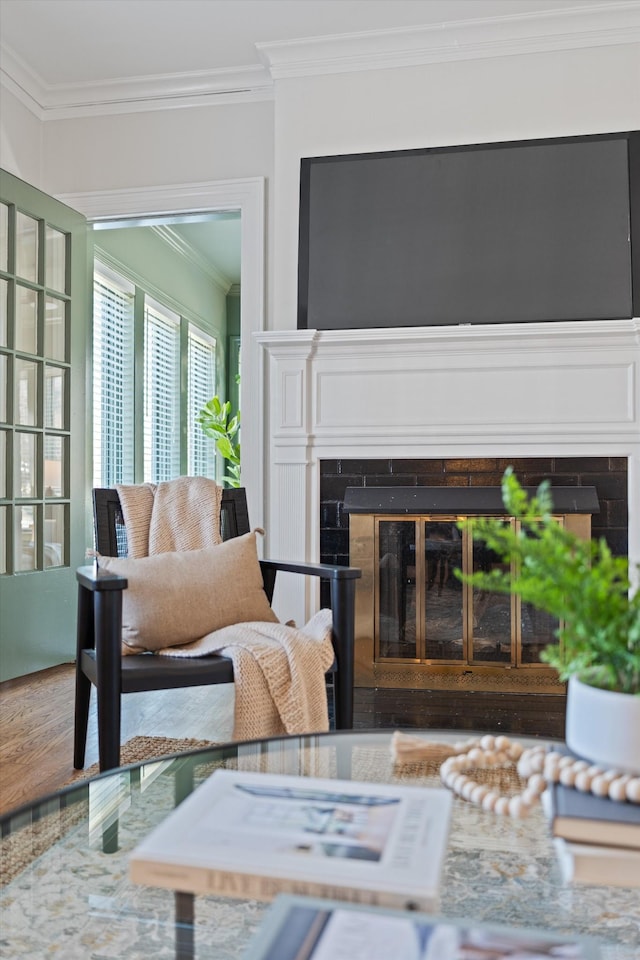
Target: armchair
(99, 661)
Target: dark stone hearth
(536, 715)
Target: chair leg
(83, 684)
(343, 594)
(108, 617)
(108, 730)
(83, 699)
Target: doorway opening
(166, 325)
(247, 196)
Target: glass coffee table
(66, 891)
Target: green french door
(44, 321)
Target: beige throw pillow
(175, 598)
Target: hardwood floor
(36, 722)
(36, 727)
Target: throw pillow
(173, 598)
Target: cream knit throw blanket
(180, 514)
(279, 674)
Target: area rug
(19, 849)
(145, 748)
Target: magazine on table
(254, 835)
(302, 928)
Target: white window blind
(161, 393)
(158, 438)
(201, 380)
(113, 438)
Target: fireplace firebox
(417, 624)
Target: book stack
(255, 835)
(597, 840)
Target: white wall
(20, 140)
(473, 101)
(185, 145)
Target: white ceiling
(210, 241)
(93, 41)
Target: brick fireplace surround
(417, 403)
(607, 474)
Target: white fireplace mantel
(520, 390)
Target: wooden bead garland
(538, 767)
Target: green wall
(151, 262)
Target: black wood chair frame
(98, 657)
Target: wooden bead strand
(538, 767)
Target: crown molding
(593, 25)
(184, 249)
(132, 94)
(603, 24)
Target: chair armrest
(93, 578)
(327, 571)
(343, 590)
(100, 628)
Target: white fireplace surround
(505, 390)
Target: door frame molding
(246, 196)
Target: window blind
(161, 394)
(163, 436)
(201, 380)
(113, 438)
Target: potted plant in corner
(589, 591)
(216, 422)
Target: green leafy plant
(217, 422)
(578, 581)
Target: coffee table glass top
(66, 891)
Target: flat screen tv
(536, 230)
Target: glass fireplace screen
(424, 613)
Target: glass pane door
(420, 605)
(43, 285)
(443, 600)
(537, 631)
(492, 618)
(396, 607)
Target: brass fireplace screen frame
(467, 673)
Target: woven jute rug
(145, 748)
(19, 849)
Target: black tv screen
(492, 233)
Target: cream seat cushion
(174, 598)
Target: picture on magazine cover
(320, 823)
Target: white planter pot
(603, 727)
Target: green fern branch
(577, 581)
